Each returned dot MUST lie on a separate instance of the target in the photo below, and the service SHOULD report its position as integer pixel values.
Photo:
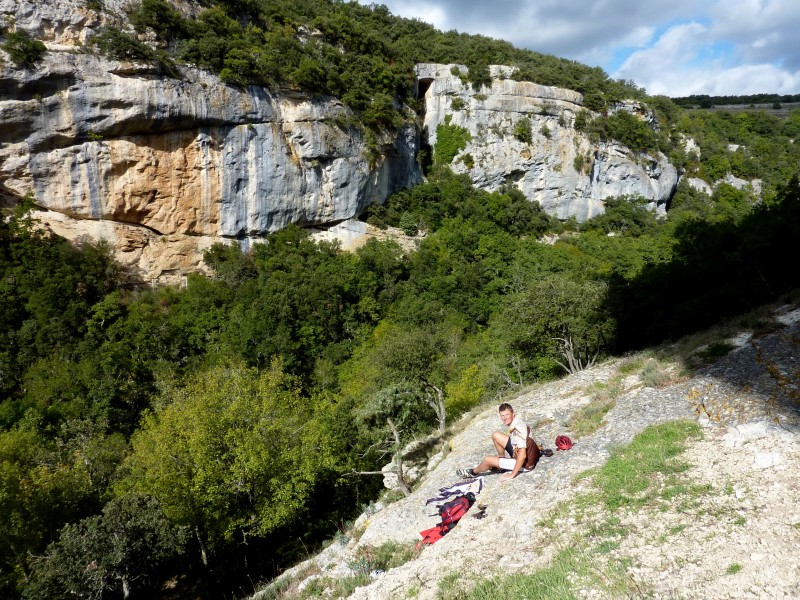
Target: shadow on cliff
(718, 271)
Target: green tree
(390, 416)
(624, 216)
(523, 130)
(450, 140)
(23, 49)
(562, 319)
(232, 451)
(109, 553)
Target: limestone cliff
(544, 169)
(166, 160)
(162, 167)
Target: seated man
(523, 453)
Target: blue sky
(671, 47)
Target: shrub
(408, 224)
(450, 140)
(457, 104)
(23, 49)
(523, 131)
(581, 120)
(123, 46)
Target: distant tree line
(706, 101)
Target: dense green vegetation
(748, 145)
(706, 101)
(23, 50)
(222, 421)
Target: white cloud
(706, 46)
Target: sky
(670, 47)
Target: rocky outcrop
(190, 156)
(117, 151)
(560, 167)
(101, 140)
(747, 463)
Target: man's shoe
(465, 473)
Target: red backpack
(450, 513)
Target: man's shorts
(508, 464)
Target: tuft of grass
(591, 417)
(631, 365)
(454, 586)
(655, 374)
(733, 568)
(368, 559)
(554, 582)
(677, 529)
(627, 476)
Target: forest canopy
(180, 411)
(361, 54)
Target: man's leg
(501, 443)
(488, 462)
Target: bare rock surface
(737, 537)
(543, 169)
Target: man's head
(506, 413)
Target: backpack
(532, 454)
(451, 512)
(563, 442)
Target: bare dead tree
(434, 397)
(575, 358)
(397, 460)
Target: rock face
(544, 169)
(162, 167)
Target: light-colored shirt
(518, 432)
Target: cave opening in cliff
(423, 85)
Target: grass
(655, 374)
(367, 560)
(626, 478)
(554, 582)
(733, 568)
(590, 418)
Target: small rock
(765, 460)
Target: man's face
(506, 416)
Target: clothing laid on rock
(475, 486)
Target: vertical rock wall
(545, 170)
